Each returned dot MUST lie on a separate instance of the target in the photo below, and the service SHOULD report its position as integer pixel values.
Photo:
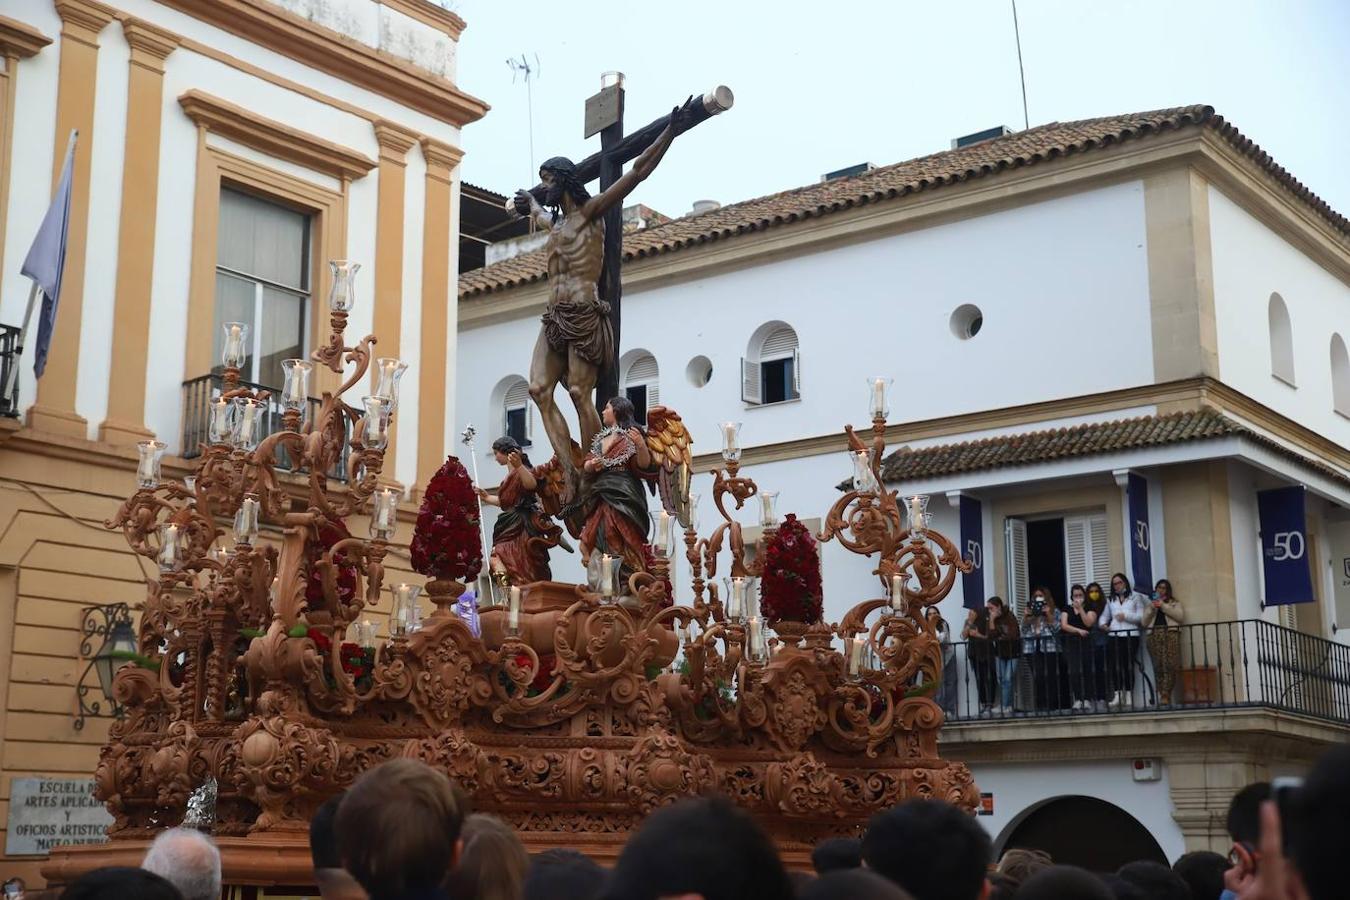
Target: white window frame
(507, 406)
(1280, 329)
(652, 381)
(752, 365)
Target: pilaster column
(77, 79)
(150, 46)
(17, 41)
(395, 142)
(437, 299)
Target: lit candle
(757, 644)
(663, 534)
(863, 479)
(737, 610)
(513, 611)
(729, 435)
(234, 345)
(365, 634)
(916, 512)
(168, 547)
(897, 597)
(855, 656)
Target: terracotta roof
(1004, 451)
(1036, 145)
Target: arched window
(516, 418)
(1340, 375)
(641, 383)
(1281, 341)
(771, 369)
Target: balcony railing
(197, 396)
(1221, 665)
(9, 358)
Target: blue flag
(47, 258)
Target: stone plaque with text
(47, 812)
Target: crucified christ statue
(576, 339)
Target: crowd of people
(1082, 655)
(405, 832)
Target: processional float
(571, 711)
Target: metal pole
(467, 437)
(18, 347)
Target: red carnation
(790, 588)
(446, 542)
(330, 533)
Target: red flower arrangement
(542, 678)
(329, 535)
(446, 542)
(790, 587)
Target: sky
(821, 86)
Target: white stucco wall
(1250, 263)
(35, 145)
(1018, 787)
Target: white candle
(897, 598)
(729, 435)
(663, 534)
(855, 655)
(916, 512)
(234, 344)
(737, 610)
(755, 627)
(386, 513)
(513, 611)
(250, 410)
(606, 575)
(168, 548)
(878, 398)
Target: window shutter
(1087, 553)
(750, 392)
(778, 344)
(796, 373)
(518, 397)
(1101, 550)
(1015, 543)
(644, 371)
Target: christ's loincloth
(581, 325)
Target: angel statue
(522, 535)
(611, 503)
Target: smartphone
(1283, 791)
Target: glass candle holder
(768, 512)
(384, 513)
(234, 350)
(172, 544)
(607, 575)
(248, 415)
(295, 390)
(390, 372)
(878, 404)
(220, 423)
(246, 520)
(218, 555)
(513, 607)
(663, 534)
(756, 641)
(854, 650)
(376, 433)
(863, 478)
(731, 441)
(916, 509)
(342, 294)
(694, 511)
(366, 632)
(147, 468)
(405, 613)
(897, 594)
(737, 590)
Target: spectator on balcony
(1041, 649)
(1125, 619)
(1096, 603)
(946, 693)
(1007, 645)
(1076, 629)
(1165, 616)
(980, 654)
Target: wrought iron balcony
(1222, 665)
(9, 358)
(197, 396)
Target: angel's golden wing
(669, 443)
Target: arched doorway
(1083, 831)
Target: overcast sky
(820, 86)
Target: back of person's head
(1202, 870)
(493, 864)
(852, 884)
(121, 883)
(705, 846)
(1020, 863)
(1064, 883)
(1155, 880)
(563, 875)
(1001, 887)
(398, 828)
(333, 881)
(188, 859)
(1123, 889)
(833, 854)
(1319, 827)
(930, 848)
(1244, 813)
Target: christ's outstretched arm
(643, 166)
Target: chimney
(981, 136)
(704, 206)
(847, 172)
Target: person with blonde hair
(493, 863)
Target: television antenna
(523, 69)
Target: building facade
(1082, 321)
(226, 151)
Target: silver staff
(467, 437)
